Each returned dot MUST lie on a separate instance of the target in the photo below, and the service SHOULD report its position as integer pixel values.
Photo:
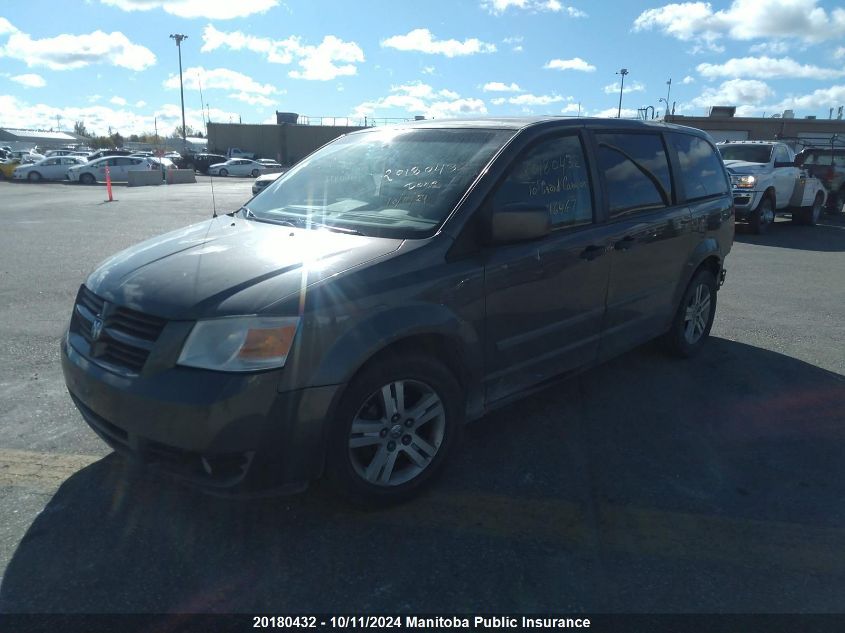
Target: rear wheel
(763, 216)
(809, 216)
(87, 179)
(395, 426)
(34, 176)
(694, 318)
(255, 173)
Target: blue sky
(111, 63)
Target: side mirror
(519, 222)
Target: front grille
(125, 338)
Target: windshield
(746, 153)
(392, 183)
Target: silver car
(53, 168)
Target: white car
(237, 167)
(119, 168)
(53, 168)
(262, 181)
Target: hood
(228, 266)
(744, 167)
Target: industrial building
(723, 125)
(27, 139)
(286, 141)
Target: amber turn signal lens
(267, 342)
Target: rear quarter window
(702, 173)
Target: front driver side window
(552, 174)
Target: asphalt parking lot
(647, 484)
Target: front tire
(87, 179)
(694, 318)
(255, 173)
(395, 426)
(34, 176)
(224, 172)
(763, 216)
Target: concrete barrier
(180, 176)
(143, 177)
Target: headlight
(744, 182)
(239, 343)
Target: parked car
(108, 152)
(202, 162)
(25, 156)
(828, 165)
(269, 162)
(119, 167)
(237, 167)
(393, 285)
(262, 181)
(53, 168)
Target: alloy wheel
(396, 433)
(697, 313)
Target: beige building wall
(796, 132)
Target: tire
(255, 173)
(694, 318)
(763, 216)
(224, 172)
(809, 216)
(87, 179)
(376, 458)
(33, 176)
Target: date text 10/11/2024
(419, 622)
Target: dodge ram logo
(96, 328)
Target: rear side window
(636, 172)
(702, 173)
(553, 175)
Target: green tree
(79, 128)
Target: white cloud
(632, 86)
(427, 70)
(65, 52)
(571, 108)
(328, 60)
(576, 63)
(529, 100)
(610, 113)
(776, 47)
(767, 68)
(6, 27)
(498, 86)
(118, 101)
(417, 98)
(422, 41)
(30, 80)
(140, 104)
(210, 9)
(745, 20)
(839, 53)
(738, 92)
(22, 114)
(246, 88)
(689, 79)
(498, 7)
(821, 99)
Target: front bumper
(230, 432)
(745, 201)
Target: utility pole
(179, 37)
(623, 72)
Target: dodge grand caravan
(349, 319)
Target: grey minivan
(397, 283)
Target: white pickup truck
(766, 181)
(237, 152)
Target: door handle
(593, 251)
(625, 243)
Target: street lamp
(179, 37)
(662, 100)
(623, 72)
(668, 90)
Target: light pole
(179, 37)
(623, 72)
(668, 90)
